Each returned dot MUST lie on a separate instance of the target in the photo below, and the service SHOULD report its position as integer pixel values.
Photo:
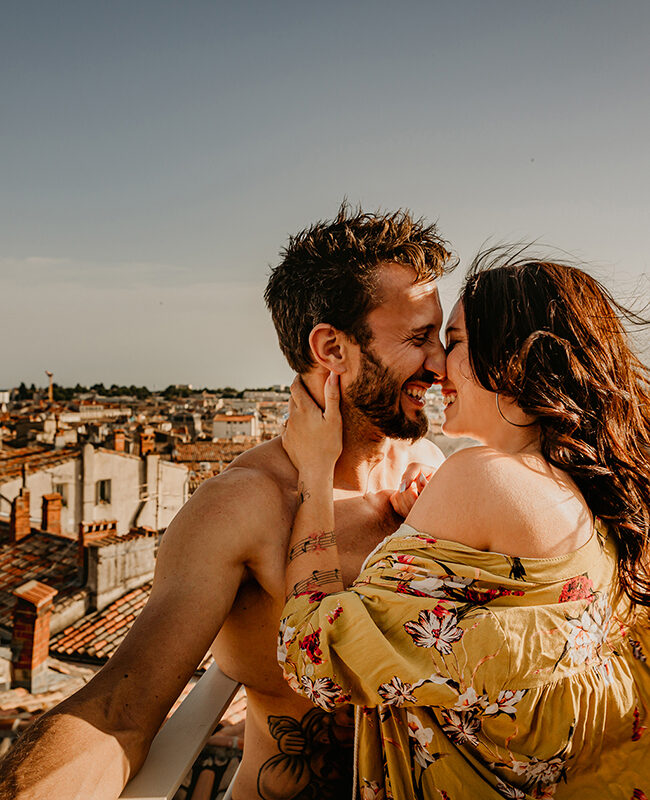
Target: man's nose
(436, 360)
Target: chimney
(19, 525)
(52, 513)
(119, 441)
(146, 443)
(30, 641)
(90, 532)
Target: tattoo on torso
(315, 758)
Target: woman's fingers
(299, 394)
(403, 501)
(332, 397)
(420, 473)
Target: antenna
(50, 392)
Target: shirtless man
(355, 296)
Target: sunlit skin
(221, 570)
(406, 341)
(471, 410)
(406, 329)
(494, 497)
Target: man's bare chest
(361, 523)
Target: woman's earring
(505, 419)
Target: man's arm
(92, 743)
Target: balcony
(180, 740)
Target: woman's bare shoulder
(492, 500)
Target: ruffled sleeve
(428, 640)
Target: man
(355, 296)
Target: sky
(155, 156)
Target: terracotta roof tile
(32, 458)
(97, 636)
(40, 556)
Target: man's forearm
(65, 756)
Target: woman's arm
(312, 440)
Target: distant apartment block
(94, 484)
(227, 426)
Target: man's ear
(330, 347)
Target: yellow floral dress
(481, 675)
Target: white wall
(43, 482)
(145, 492)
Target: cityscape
(90, 477)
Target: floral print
(587, 632)
(637, 650)
(540, 774)
(421, 738)
(461, 727)
(458, 657)
(505, 702)
(323, 692)
(435, 629)
(396, 692)
(310, 644)
(578, 588)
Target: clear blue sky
(154, 156)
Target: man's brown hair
(328, 273)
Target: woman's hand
(313, 438)
(415, 478)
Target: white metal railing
(180, 740)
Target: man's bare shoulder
(269, 459)
(255, 491)
(422, 451)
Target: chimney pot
(119, 441)
(20, 525)
(30, 638)
(51, 521)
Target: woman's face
(469, 408)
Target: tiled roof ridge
(96, 636)
(35, 460)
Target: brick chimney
(30, 641)
(119, 441)
(91, 532)
(52, 513)
(19, 525)
(146, 443)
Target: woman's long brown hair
(551, 337)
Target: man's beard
(376, 394)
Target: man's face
(404, 358)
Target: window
(62, 489)
(103, 492)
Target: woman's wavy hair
(551, 337)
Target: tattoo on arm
(303, 493)
(314, 581)
(313, 542)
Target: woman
(496, 643)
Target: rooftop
(39, 556)
(97, 636)
(32, 459)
